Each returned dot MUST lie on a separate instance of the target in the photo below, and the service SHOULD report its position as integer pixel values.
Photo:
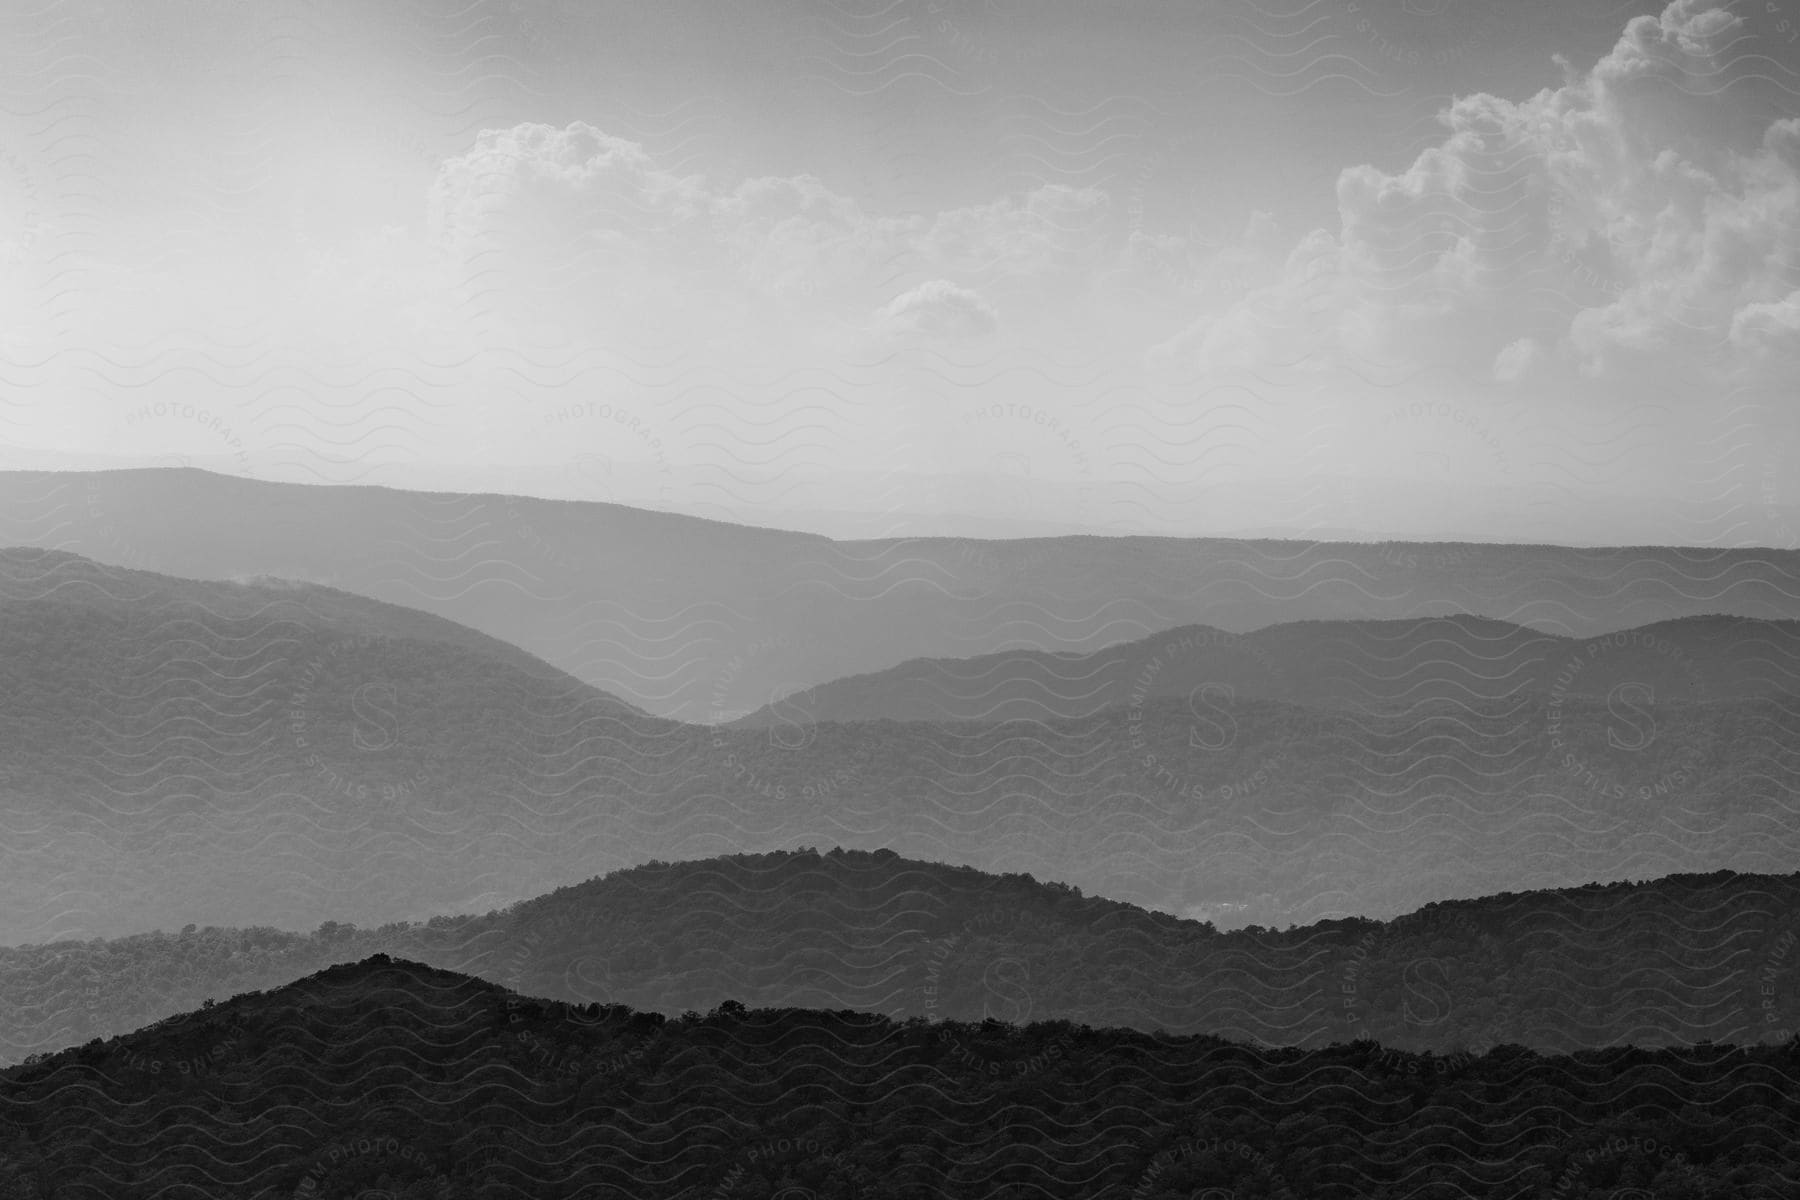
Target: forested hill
(1674, 961)
(394, 1079)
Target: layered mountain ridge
(1355, 665)
(232, 753)
(709, 621)
(1672, 961)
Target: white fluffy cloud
(576, 210)
(1517, 360)
(1772, 328)
(1641, 212)
(1637, 217)
(1053, 227)
(1207, 269)
(938, 309)
(795, 236)
(536, 181)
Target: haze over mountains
(207, 747)
(263, 755)
(237, 753)
(705, 621)
(580, 735)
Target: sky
(1304, 268)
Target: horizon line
(1346, 537)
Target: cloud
(538, 180)
(1772, 328)
(1053, 227)
(1206, 268)
(938, 309)
(795, 236)
(1640, 216)
(1679, 41)
(1518, 360)
(575, 223)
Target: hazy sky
(1413, 267)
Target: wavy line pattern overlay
(894, 598)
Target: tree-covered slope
(391, 1078)
(1674, 961)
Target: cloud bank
(1639, 218)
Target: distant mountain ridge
(1357, 665)
(30, 574)
(173, 743)
(707, 621)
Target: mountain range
(1400, 663)
(708, 621)
(179, 751)
(1278, 869)
(1677, 960)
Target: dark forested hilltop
(392, 1078)
(1677, 960)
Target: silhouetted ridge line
(392, 1076)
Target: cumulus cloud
(1517, 360)
(937, 309)
(795, 236)
(1051, 227)
(1769, 327)
(538, 179)
(1206, 268)
(1639, 212)
(1680, 40)
(538, 203)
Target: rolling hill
(706, 621)
(1674, 961)
(262, 749)
(391, 1078)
